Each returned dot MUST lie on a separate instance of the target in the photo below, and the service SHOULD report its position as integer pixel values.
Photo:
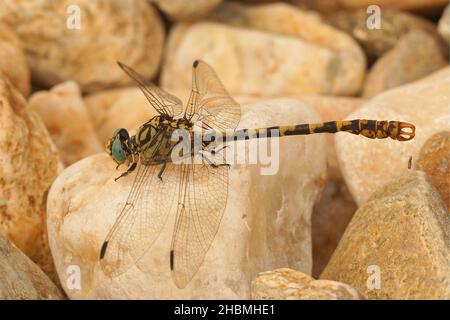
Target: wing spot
(103, 249)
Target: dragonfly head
(118, 146)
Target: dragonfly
(195, 192)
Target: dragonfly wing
(202, 201)
(209, 101)
(141, 220)
(162, 101)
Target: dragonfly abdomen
(373, 129)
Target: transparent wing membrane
(162, 101)
(209, 101)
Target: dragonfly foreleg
(129, 170)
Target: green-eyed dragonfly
(196, 193)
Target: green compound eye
(117, 151)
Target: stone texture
(400, 4)
(269, 229)
(376, 42)
(444, 25)
(402, 229)
(128, 31)
(11, 54)
(21, 279)
(66, 117)
(29, 163)
(345, 71)
(367, 164)
(288, 284)
(257, 62)
(331, 215)
(118, 108)
(186, 10)
(416, 55)
(434, 160)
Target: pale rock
(347, 67)
(444, 25)
(186, 10)
(21, 279)
(434, 160)
(253, 62)
(375, 42)
(57, 50)
(368, 164)
(288, 284)
(266, 224)
(413, 5)
(29, 163)
(397, 244)
(118, 108)
(67, 119)
(13, 63)
(416, 55)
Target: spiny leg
(161, 171)
(129, 170)
(212, 164)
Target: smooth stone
(253, 62)
(375, 42)
(118, 108)
(11, 54)
(128, 31)
(288, 284)
(444, 25)
(29, 164)
(412, 5)
(21, 278)
(416, 55)
(180, 10)
(67, 119)
(347, 69)
(266, 223)
(397, 244)
(434, 160)
(367, 164)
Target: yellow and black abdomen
(373, 129)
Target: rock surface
(444, 25)
(399, 4)
(288, 284)
(21, 279)
(346, 70)
(67, 119)
(57, 50)
(376, 42)
(416, 55)
(11, 54)
(434, 160)
(269, 229)
(29, 164)
(118, 108)
(253, 62)
(367, 164)
(186, 10)
(397, 244)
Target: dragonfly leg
(129, 170)
(164, 164)
(212, 164)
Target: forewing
(209, 101)
(141, 219)
(201, 204)
(162, 101)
